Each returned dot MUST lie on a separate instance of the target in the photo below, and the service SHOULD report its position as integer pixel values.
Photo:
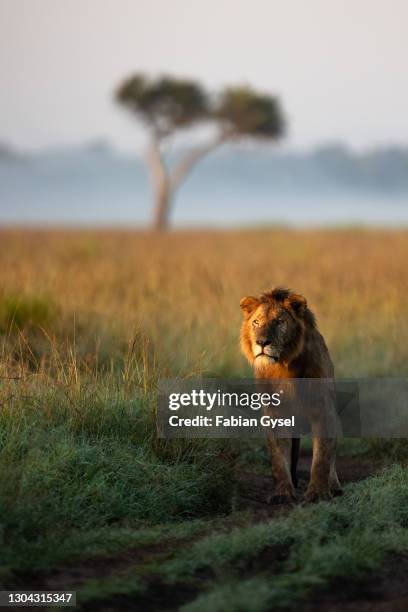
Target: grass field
(91, 499)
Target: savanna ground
(91, 500)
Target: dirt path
(387, 591)
(255, 489)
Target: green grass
(82, 475)
(67, 468)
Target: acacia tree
(168, 105)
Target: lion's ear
(248, 304)
(297, 303)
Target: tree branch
(184, 167)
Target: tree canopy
(249, 113)
(166, 103)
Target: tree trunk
(160, 185)
(161, 208)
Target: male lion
(279, 337)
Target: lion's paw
(314, 495)
(287, 496)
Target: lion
(280, 339)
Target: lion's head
(274, 327)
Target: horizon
(104, 145)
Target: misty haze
(95, 185)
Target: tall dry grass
(138, 302)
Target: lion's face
(272, 330)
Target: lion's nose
(263, 342)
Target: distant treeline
(331, 169)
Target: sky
(338, 66)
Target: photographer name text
(230, 421)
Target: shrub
(25, 311)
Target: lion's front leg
(323, 475)
(280, 452)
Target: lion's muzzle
(266, 349)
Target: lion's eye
(255, 323)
